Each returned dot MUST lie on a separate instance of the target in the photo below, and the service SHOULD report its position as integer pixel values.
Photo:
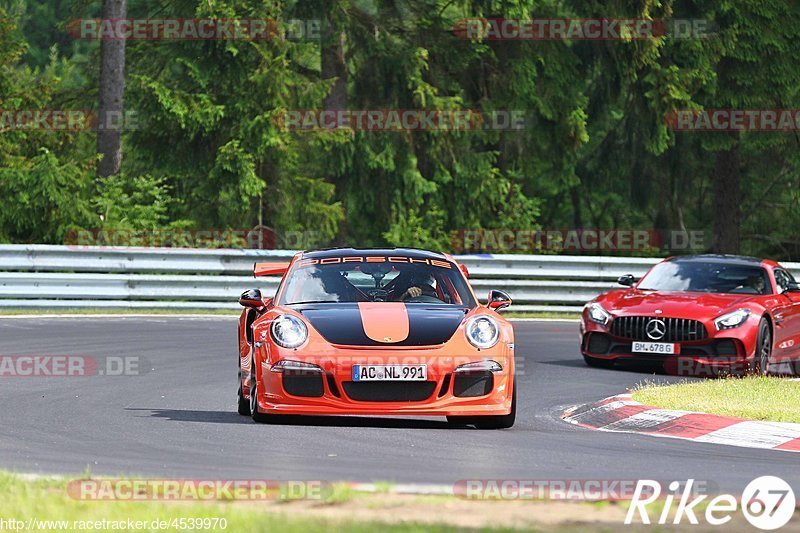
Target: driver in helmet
(336, 285)
(416, 284)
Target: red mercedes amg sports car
(698, 315)
(375, 332)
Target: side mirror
(627, 280)
(498, 300)
(793, 286)
(251, 298)
(464, 270)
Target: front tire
(763, 349)
(254, 412)
(244, 403)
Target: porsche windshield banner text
(372, 259)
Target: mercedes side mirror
(627, 280)
(498, 300)
(251, 298)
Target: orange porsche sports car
(375, 332)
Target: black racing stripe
(341, 324)
(430, 325)
(338, 323)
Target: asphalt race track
(179, 418)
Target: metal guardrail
(44, 276)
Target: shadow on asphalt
(179, 415)
(231, 417)
(573, 363)
(642, 367)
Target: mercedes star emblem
(656, 329)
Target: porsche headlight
(597, 313)
(289, 331)
(482, 332)
(732, 320)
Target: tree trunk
(577, 214)
(333, 60)
(727, 199)
(112, 88)
(334, 67)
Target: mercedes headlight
(733, 319)
(289, 331)
(598, 314)
(482, 332)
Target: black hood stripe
(341, 324)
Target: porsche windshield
(376, 279)
(702, 276)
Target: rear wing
(463, 268)
(269, 269)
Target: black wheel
(763, 348)
(254, 412)
(244, 403)
(490, 422)
(595, 362)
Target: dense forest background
(209, 151)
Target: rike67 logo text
(767, 502)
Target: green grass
(755, 398)
(340, 493)
(46, 499)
